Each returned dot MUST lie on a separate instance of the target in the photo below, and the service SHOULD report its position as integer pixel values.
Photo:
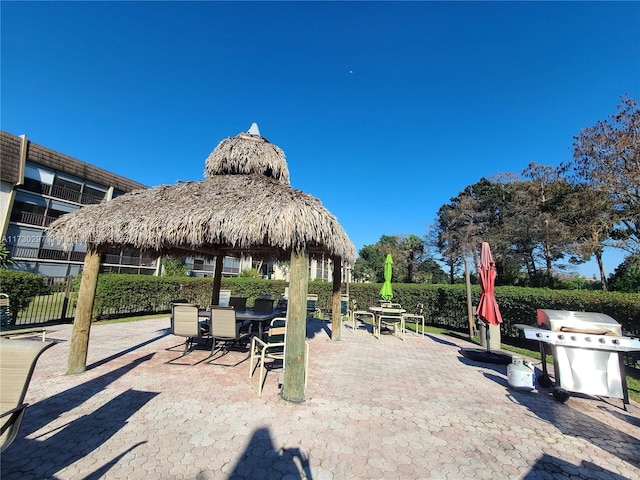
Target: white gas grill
(587, 352)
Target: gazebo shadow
(316, 326)
(261, 459)
(77, 439)
(45, 411)
(165, 332)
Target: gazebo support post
(217, 280)
(294, 359)
(336, 305)
(77, 361)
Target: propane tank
(520, 374)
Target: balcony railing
(31, 218)
(62, 193)
(19, 252)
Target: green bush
(21, 287)
(444, 305)
(126, 294)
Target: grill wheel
(560, 394)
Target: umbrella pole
(487, 325)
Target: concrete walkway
(375, 409)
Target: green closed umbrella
(386, 292)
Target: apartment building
(38, 185)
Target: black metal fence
(58, 305)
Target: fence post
(67, 296)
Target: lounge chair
(18, 359)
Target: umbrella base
(486, 356)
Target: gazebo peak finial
(254, 130)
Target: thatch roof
(247, 153)
(244, 206)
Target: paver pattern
(374, 409)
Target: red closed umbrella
(488, 309)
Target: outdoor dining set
(230, 323)
(387, 317)
(262, 327)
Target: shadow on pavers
(554, 467)
(261, 459)
(75, 440)
(572, 422)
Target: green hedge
(122, 294)
(445, 305)
(21, 287)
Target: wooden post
(336, 305)
(77, 361)
(469, 303)
(293, 378)
(217, 280)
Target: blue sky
(385, 110)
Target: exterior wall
(38, 186)
(6, 202)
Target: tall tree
(412, 248)
(607, 157)
(473, 216)
(548, 190)
(590, 217)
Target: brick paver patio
(375, 409)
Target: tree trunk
(79, 346)
(603, 277)
(452, 274)
(547, 257)
(293, 377)
(336, 305)
(217, 281)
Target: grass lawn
(131, 319)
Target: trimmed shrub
(21, 287)
(444, 305)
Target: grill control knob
(615, 341)
(588, 339)
(601, 340)
(560, 337)
(574, 338)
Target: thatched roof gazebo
(244, 205)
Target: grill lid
(587, 322)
